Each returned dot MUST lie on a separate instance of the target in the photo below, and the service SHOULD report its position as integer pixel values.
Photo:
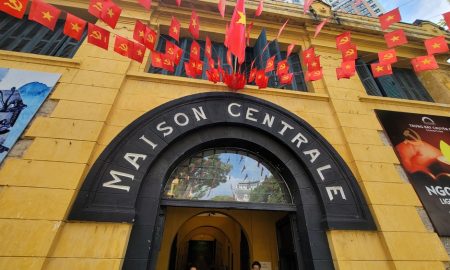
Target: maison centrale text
(118, 179)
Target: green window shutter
(390, 87)
(295, 66)
(260, 56)
(367, 79)
(411, 85)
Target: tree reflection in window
(227, 174)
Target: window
(31, 37)
(227, 174)
(377, 10)
(219, 51)
(369, 1)
(402, 84)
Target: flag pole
(235, 63)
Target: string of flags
(237, 37)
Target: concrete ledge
(39, 59)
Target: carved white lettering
(152, 144)
(321, 169)
(314, 154)
(335, 191)
(199, 114)
(299, 138)
(249, 114)
(268, 120)
(233, 105)
(116, 179)
(166, 130)
(285, 126)
(177, 119)
(133, 158)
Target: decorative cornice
(39, 59)
(405, 103)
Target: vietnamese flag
(270, 64)
(95, 7)
(340, 74)
(208, 48)
(150, 38)
(146, 4)
(395, 38)
(387, 57)
(98, 36)
(343, 40)
(195, 50)
(44, 13)
(259, 9)
(137, 51)
(447, 18)
(314, 64)
(389, 18)
(122, 46)
(289, 49)
(350, 53)
(221, 6)
(379, 70)
(286, 78)
(74, 26)
(252, 75)
(348, 69)
(236, 32)
(139, 31)
(436, 45)
(156, 60)
(110, 13)
(314, 75)
(308, 55)
(194, 25)
(15, 8)
(423, 63)
(282, 67)
(174, 30)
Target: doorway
(220, 239)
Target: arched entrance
(126, 183)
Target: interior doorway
(220, 239)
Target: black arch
(316, 210)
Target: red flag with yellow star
(236, 32)
(195, 50)
(150, 38)
(122, 45)
(194, 25)
(44, 13)
(146, 4)
(387, 57)
(137, 52)
(395, 38)
(139, 31)
(350, 53)
(343, 41)
(174, 30)
(314, 64)
(156, 60)
(110, 13)
(95, 7)
(15, 8)
(98, 36)
(282, 67)
(436, 45)
(308, 55)
(347, 69)
(208, 48)
(74, 26)
(270, 64)
(379, 69)
(423, 63)
(389, 18)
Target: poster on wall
(422, 144)
(22, 93)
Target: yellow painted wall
(101, 92)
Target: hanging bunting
(236, 32)
(174, 30)
(15, 8)
(139, 31)
(259, 9)
(379, 70)
(350, 53)
(282, 67)
(74, 26)
(286, 78)
(110, 13)
(308, 55)
(150, 38)
(289, 49)
(261, 79)
(146, 4)
(423, 63)
(121, 45)
(389, 18)
(387, 57)
(270, 64)
(137, 52)
(208, 48)
(95, 8)
(395, 38)
(314, 64)
(314, 75)
(194, 25)
(343, 40)
(281, 29)
(447, 19)
(306, 5)
(221, 6)
(44, 14)
(195, 51)
(156, 59)
(436, 45)
(98, 36)
(320, 26)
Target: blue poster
(22, 93)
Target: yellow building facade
(101, 93)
